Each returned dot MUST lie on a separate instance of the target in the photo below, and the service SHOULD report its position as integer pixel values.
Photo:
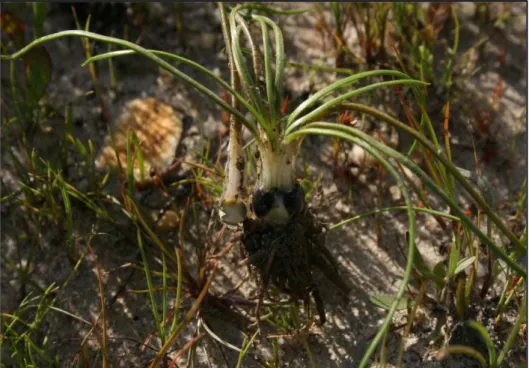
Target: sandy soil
(371, 257)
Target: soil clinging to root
(286, 256)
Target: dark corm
(278, 204)
(294, 200)
(262, 202)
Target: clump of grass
(456, 285)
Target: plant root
(286, 255)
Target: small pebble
(342, 207)
(395, 193)
(168, 222)
(329, 190)
(210, 127)
(373, 188)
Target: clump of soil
(286, 256)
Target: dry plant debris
(158, 130)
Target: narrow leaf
(464, 263)
(386, 301)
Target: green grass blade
(148, 277)
(164, 297)
(388, 209)
(69, 217)
(179, 283)
(271, 10)
(522, 315)
(247, 81)
(465, 350)
(488, 341)
(142, 51)
(139, 155)
(340, 84)
(438, 155)
(373, 150)
(280, 57)
(338, 100)
(349, 133)
(253, 50)
(447, 76)
(195, 65)
(189, 315)
(244, 351)
(130, 164)
(250, 86)
(463, 264)
(270, 93)
(39, 16)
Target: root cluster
(286, 255)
